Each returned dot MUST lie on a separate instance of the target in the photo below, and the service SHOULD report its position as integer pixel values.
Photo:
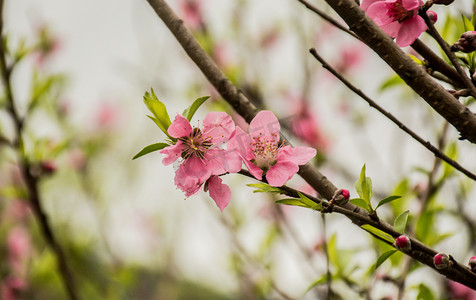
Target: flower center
(195, 144)
(265, 151)
(397, 12)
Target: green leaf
(158, 109)
(377, 232)
(317, 282)
(424, 293)
(425, 225)
(387, 200)
(150, 148)
(401, 222)
(391, 82)
(383, 257)
(190, 111)
(360, 203)
(364, 187)
(292, 202)
(311, 204)
(264, 188)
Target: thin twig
(30, 180)
(436, 35)
(402, 126)
(328, 18)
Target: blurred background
(128, 233)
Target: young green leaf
(384, 257)
(379, 233)
(424, 293)
(190, 111)
(364, 187)
(158, 109)
(387, 200)
(311, 204)
(150, 148)
(360, 203)
(264, 188)
(401, 222)
(292, 202)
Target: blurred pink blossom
(19, 248)
(192, 14)
(306, 126)
(11, 288)
(47, 46)
(460, 292)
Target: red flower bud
(432, 15)
(48, 167)
(466, 43)
(403, 243)
(472, 263)
(442, 261)
(341, 197)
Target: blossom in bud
(466, 43)
(441, 261)
(48, 167)
(432, 15)
(403, 243)
(398, 18)
(472, 263)
(341, 197)
(443, 2)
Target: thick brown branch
(433, 93)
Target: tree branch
(392, 118)
(319, 182)
(433, 93)
(30, 180)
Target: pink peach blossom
(262, 154)
(306, 126)
(398, 18)
(202, 157)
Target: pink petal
(189, 184)
(219, 192)
(196, 167)
(280, 173)
(220, 161)
(391, 29)
(180, 127)
(378, 13)
(265, 124)
(241, 142)
(172, 153)
(299, 155)
(410, 4)
(364, 4)
(218, 126)
(410, 30)
(254, 169)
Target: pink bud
(341, 197)
(472, 263)
(466, 43)
(432, 15)
(441, 261)
(403, 243)
(48, 167)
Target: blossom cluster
(220, 147)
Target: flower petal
(281, 172)
(299, 155)
(220, 161)
(254, 169)
(391, 28)
(364, 4)
(241, 142)
(410, 30)
(189, 184)
(172, 153)
(265, 125)
(180, 127)
(218, 127)
(219, 192)
(378, 13)
(410, 4)
(196, 167)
